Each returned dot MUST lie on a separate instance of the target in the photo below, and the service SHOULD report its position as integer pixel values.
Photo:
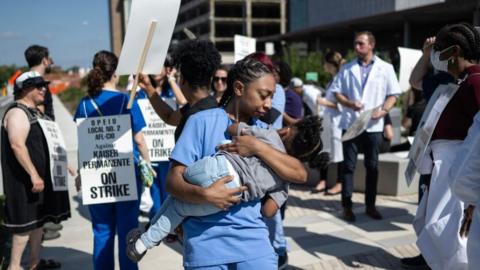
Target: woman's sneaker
(132, 252)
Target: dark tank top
(36, 145)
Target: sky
(72, 30)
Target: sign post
(141, 63)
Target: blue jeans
(201, 173)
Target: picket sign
(105, 159)
(159, 136)
(57, 154)
(243, 46)
(145, 46)
(359, 126)
(141, 63)
(419, 155)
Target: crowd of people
(243, 133)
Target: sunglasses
(223, 79)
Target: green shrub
(71, 97)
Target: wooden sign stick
(141, 63)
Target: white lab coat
(336, 152)
(439, 215)
(465, 174)
(382, 82)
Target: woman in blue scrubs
(168, 91)
(119, 218)
(236, 238)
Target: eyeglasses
(216, 79)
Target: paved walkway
(317, 237)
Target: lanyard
(95, 106)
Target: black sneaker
(417, 262)
(132, 252)
(283, 261)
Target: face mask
(441, 65)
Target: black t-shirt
(204, 104)
(432, 80)
(415, 112)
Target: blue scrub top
(112, 103)
(236, 235)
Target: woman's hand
(37, 184)
(171, 74)
(145, 83)
(78, 183)
(220, 196)
(245, 146)
(428, 45)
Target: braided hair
(307, 143)
(245, 71)
(463, 35)
(104, 66)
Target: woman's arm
(326, 103)
(216, 194)
(388, 132)
(286, 167)
(164, 111)
(421, 68)
(142, 146)
(18, 127)
(177, 92)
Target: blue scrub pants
(269, 262)
(158, 190)
(109, 219)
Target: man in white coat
(365, 83)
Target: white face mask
(441, 65)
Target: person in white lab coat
(439, 215)
(465, 174)
(365, 83)
(333, 63)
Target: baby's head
(302, 140)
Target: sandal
(46, 264)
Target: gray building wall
(325, 12)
